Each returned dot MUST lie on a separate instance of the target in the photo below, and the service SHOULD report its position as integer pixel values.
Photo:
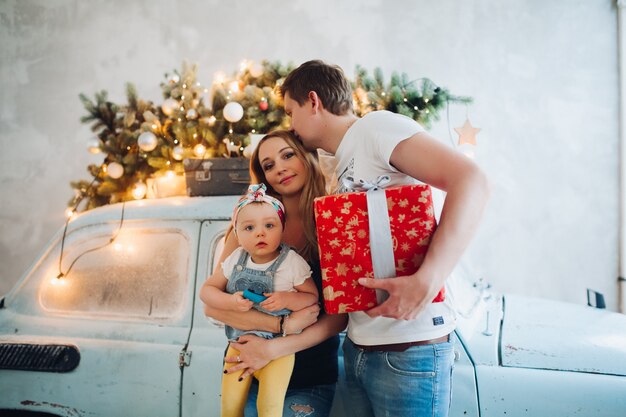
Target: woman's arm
(255, 320)
(256, 352)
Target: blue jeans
(306, 402)
(416, 382)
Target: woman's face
(283, 169)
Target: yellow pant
(273, 381)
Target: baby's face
(259, 231)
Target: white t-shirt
(293, 271)
(364, 153)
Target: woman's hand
(301, 319)
(240, 303)
(254, 353)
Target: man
(398, 355)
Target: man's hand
(408, 296)
(240, 303)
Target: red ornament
(263, 105)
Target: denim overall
(244, 278)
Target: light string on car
(63, 238)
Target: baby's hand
(241, 304)
(275, 301)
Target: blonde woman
(291, 174)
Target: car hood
(546, 334)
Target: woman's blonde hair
(313, 187)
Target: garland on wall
(143, 142)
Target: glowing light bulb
(199, 150)
(69, 212)
(219, 77)
(139, 190)
(256, 70)
(58, 280)
(177, 152)
(234, 86)
(170, 174)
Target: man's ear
(316, 102)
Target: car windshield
(139, 272)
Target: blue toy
(254, 297)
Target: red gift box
(343, 232)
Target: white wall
(543, 75)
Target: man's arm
(433, 163)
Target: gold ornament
(467, 133)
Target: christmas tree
(143, 142)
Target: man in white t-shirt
(398, 355)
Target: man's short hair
(328, 81)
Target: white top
(364, 153)
(293, 271)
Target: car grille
(42, 358)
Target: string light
(199, 150)
(198, 119)
(139, 190)
(234, 86)
(219, 77)
(110, 241)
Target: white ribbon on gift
(381, 244)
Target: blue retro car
(107, 322)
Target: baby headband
(256, 194)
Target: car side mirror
(595, 299)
